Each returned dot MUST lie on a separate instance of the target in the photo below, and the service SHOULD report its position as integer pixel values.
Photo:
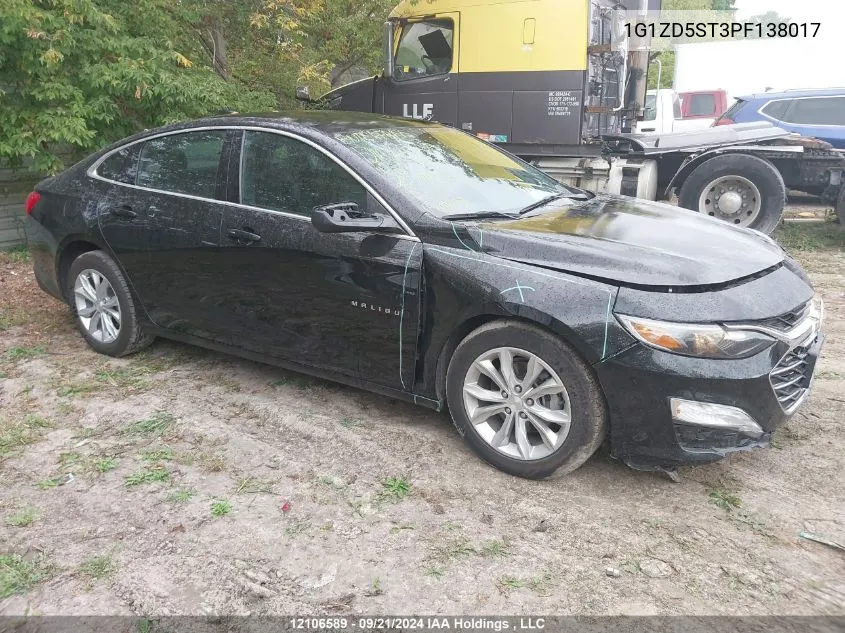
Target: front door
(424, 83)
(346, 302)
(159, 209)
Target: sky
(831, 13)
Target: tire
(736, 168)
(117, 298)
(587, 409)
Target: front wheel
(524, 400)
(740, 189)
(103, 305)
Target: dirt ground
(182, 481)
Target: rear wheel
(739, 189)
(105, 311)
(524, 400)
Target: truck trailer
(557, 83)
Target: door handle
(244, 235)
(124, 211)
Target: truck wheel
(737, 188)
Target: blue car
(816, 113)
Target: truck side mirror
(387, 32)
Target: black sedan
(417, 261)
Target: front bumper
(640, 382)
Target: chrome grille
(788, 376)
(786, 321)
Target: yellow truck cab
(558, 83)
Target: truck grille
(786, 321)
(788, 378)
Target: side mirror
(388, 48)
(303, 93)
(344, 218)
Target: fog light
(717, 416)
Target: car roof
(328, 122)
(791, 94)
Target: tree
(769, 17)
(87, 72)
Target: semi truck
(558, 83)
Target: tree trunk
(220, 61)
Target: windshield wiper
(544, 202)
(479, 216)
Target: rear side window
(182, 163)
(702, 105)
(283, 174)
(818, 111)
(777, 109)
(122, 166)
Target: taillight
(723, 121)
(31, 200)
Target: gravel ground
(182, 481)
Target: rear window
(182, 163)
(777, 109)
(818, 111)
(702, 104)
(122, 166)
(731, 112)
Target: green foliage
(84, 73)
(18, 575)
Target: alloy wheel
(97, 306)
(517, 403)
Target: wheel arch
(695, 161)
(526, 315)
(70, 248)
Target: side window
(777, 109)
(182, 163)
(425, 49)
(283, 174)
(702, 104)
(122, 166)
(818, 111)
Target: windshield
(450, 173)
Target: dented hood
(632, 242)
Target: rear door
(162, 219)
(346, 302)
(819, 117)
(424, 84)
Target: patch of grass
(253, 485)
(725, 499)
(752, 523)
(47, 484)
(14, 354)
(435, 571)
(459, 548)
(181, 496)
(394, 489)
(348, 423)
(810, 236)
(541, 584)
(18, 254)
(15, 434)
(78, 389)
(124, 378)
(494, 548)
(69, 459)
(510, 583)
(105, 464)
(220, 508)
(375, 589)
(152, 475)
(22, 518)
(295, 528)
(12, 316)
(25, 391)
(400, 528)
(212, 462)
(156, 425)
(98, 567)
(19, 576)
(158, 455)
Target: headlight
(694, 339)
